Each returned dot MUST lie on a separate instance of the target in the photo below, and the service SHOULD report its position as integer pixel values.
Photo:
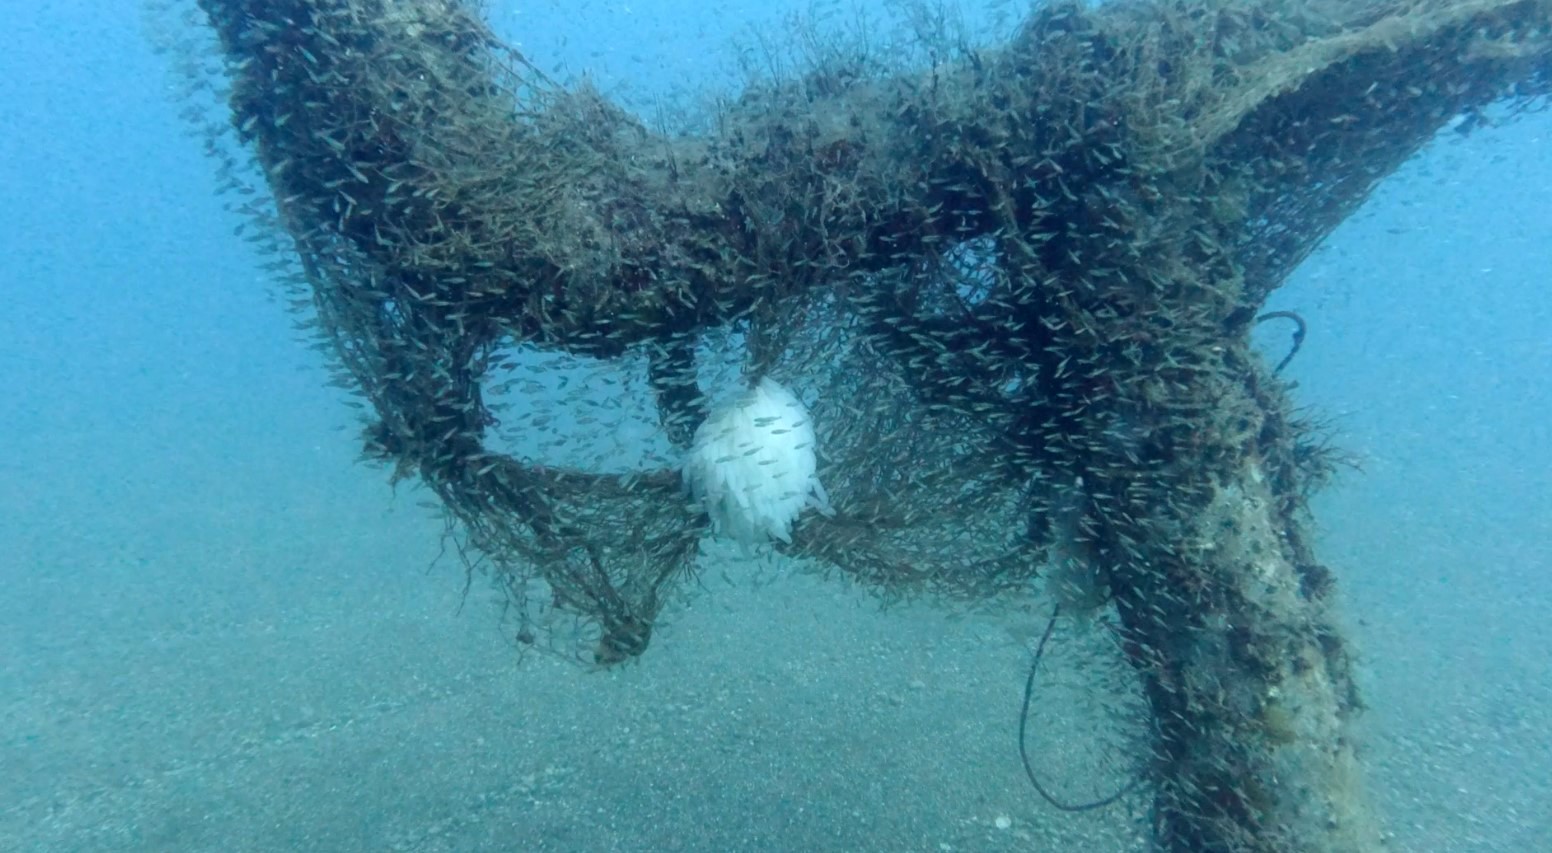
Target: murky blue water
(219, 632)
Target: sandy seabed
(275, 668)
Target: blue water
(219, 632)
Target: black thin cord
(1029, 770)
(1298, 334)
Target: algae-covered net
(1010, 288)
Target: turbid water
(219, 632)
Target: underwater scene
(797, 425)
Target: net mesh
(1012, 284)
(986, 277)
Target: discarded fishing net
(1009, 289)
(959, 269)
